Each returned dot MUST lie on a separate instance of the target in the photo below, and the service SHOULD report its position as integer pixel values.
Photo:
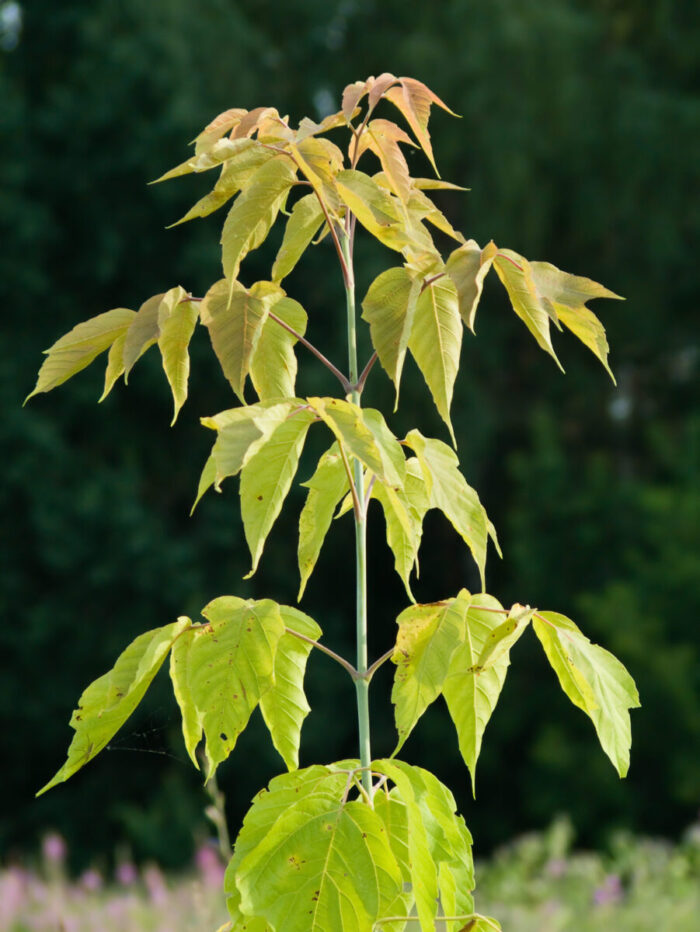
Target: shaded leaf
(327, 486)
(302, 226)
(284, 705)
(109, 701)
(436, 341)
(273, 365)
(267, 477)
(594, 680)
(79, 347)
(230, 667)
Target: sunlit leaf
(428, 637)
(254, 212)
(109, 701)
(594, 680)
(218, 127)
(471, 696)
(504, 636)
(177, 318)
(414, 99)
(80, 346)
(267, 477)
(142, 333)
(115, 363)
(327, 486)
(273, 365)
(231, 666)
(436, 340)
(421, 205)
(383, 138)
(389, 308)
(352, 95)
(284, 705)
(468, 267)
(179, 676)
(303, 224)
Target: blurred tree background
(579, 138)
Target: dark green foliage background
(579, 139)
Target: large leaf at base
(303, 224)
(567, 295)
(266, 479)
(594, 680)
(471, 696)
(273, 365)
(284, 705)
(234, 318)
(468, 267)
(320, 865)
(436, 341)
(254, 212)
(109, 701)
(448, 490)
(230, 667)
(389, 308)
(428, 637)
(80, 346)
(327, 486)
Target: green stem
(361, 684)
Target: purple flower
(155, 884)
(210, 867)
(91, 880)
(54, 848)
(556, 867)
(126, 874)
(610, 891)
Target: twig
(371, 670)
(347, 387)
(368, 493)
(365, 372)
(326, 650)
(353, 491)
(429, 281)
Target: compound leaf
(266, 479)
(231, 666)
(179, 676)
(177, 318)
(109, 701)
(284, 705)
(303, 224)
(436, 341)
(80, 346)
(389, 308)
(468, 267)
(327, 486)
(594, 680)
(428, 637)
(504, 636)
(414, 99)
(273, 365)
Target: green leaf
(115, 363)
(177, 318)
(436, 341)
(254, 212)
(439, 843)
(79, 347)
(273, 365)
(321, 864)
(504, 636)
(179, 676)
(241, 433)
(231, 666)
(267, 477)
(373, 207)
(109, 701)
(567, 295)
(389, 308)
(371, 445)
(234, 318)
(448, 490)
(428, 636)
(468, 267)
(516, 275)
(403, 513)
(142, 333)
(594, 680)
(327, 486)
(303, 224)
(390, 450)
(284, 705)
(471, 696)
(209, 157)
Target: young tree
(368, 843)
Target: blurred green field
(536, 884)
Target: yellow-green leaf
(468, 267)
(303, 224)
(142, 333)
(389, 308)
(177, 318)
(179, 675)
(273, 365)
(327, 486)
(504, 636)
(109, 701)
(80, 346)
(594, 680)
(284, 705)
(436, 341)
(414, 99)
(267, 477)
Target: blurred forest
(579, 140)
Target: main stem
(361, 684)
